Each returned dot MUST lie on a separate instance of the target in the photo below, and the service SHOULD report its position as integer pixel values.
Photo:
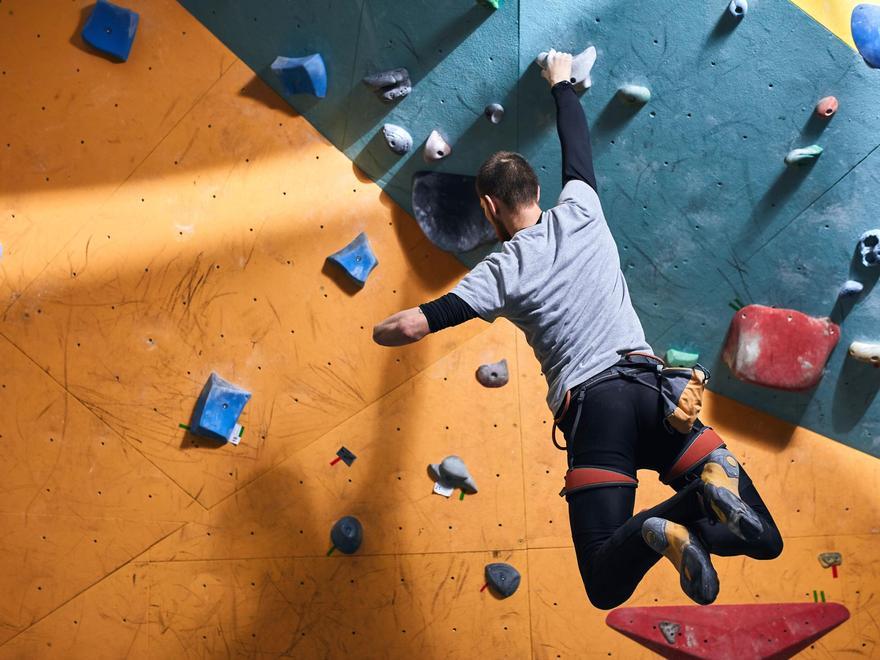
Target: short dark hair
(509, 177)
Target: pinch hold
(804, 155)
(390, 85)
(635, 94)
(827, 106)
(581, 67)
(436, 148)
(865, 352)
(397, 138)
(494, 112)
(493, 375)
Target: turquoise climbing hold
(677, 358)
(218, 408)
(804, 155)
(302, 75)
(356, 259)
(494, 4)
(865, 26)
(111, 29)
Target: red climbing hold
(779, 348)
(734, 632)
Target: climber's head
(507, 186)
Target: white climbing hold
(581, 67)
(494, 112)
(635, 94)
(436, 148)
(739, 8)
(398, 138)
(803, 155)
(851, 288)
(865, 352)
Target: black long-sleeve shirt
(577, 163)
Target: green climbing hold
(494, 4)
(677, 358)
(635, 94)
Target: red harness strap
(703, 445)
(579, 478)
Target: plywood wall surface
(169, 217)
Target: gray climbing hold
(494, 112)
(347, 535)
(451, 472)
(493, 375)
(669, 630)
(390, 85)
(851, 288)
(581, 67)
(398, 138)
(738, 8)
(865, 352)
(869, 247)
(635, 94)
(356, 258)
(436, 148)
(829, 559)
(503, 579)
(803, 155)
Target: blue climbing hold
(356, 258)
(302, 75)
(347, 535)
(865, 26)
(111, 28)
(217, 410)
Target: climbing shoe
(720, 477)
(675, 542)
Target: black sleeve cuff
(446, 311)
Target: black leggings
(620, 426)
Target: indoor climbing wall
(169, 217)
(694, 183)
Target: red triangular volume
(735, 632)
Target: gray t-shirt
(560, 282)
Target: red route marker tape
(336, 460)
(834, 570)
(483, 588)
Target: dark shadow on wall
(259, 91)
(854, 392)
(724, 27)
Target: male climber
(558, 279)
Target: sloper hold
(851, 288)
(779, 348)
(493, 375)
(581, 67)
(397, 138)
(635, 94)
(503, 579)
(302, 75)
(448, 211)
(729, 632)
(453, 473)
(865, 27)
(865, 352)
(677, 358)
(111, 29)
(218, 408)
(347, 534)
(436, 148)
(390, 85)
(869, 247)
(804, 155)
(356, 259)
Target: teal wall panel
(693, 184)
